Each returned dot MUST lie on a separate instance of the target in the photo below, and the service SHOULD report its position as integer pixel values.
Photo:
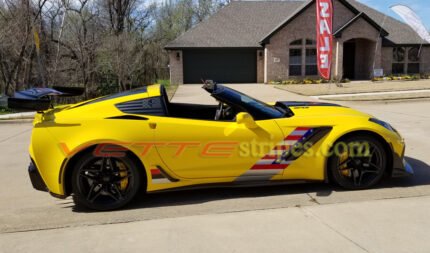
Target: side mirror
(246, 119)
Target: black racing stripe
(128, 117)
(306, 104)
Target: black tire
(357, 170)
(105, 183)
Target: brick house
(263, 41)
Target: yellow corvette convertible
(107, 150)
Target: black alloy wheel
(357, 162)
(104, 183)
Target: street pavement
(292, 218)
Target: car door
(214, 149)
(304, 139)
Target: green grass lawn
(170, 88)
(5, 111)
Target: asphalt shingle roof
(399, 32)
(247, 23)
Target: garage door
(222, 66)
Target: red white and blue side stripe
(158, 177)
(276, 161)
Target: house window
(399, 54)
(296, 62)
(413, 60)
(398, 60)
(398, 68)
(296, 43)
(303, 52)
(311, 62)
(311, 42)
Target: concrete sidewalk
(399, 225)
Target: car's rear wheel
(105, 183)
(357, 162)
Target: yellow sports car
(107, 150)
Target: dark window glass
(311, 62)
(311, 70)
(310, 42)
(398, 54)
(311, 56)
(295, 70)
(398, 68)
(295, 56)
(413, 54)
(296, 43)
(295, 62)
(259, 110)
(413, 68)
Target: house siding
(303, 27)
(260, 66)
(176, 67)
(425, 60)
(367, 39)
(387, 60)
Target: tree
(102, 45)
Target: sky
(421, 7)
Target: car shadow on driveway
(320, 190)
(421, 176)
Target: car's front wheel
(357, 162)
(104, 183)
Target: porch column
(337, 65)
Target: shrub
(4, 110)
(345, 80)
(164, 82)
(308, 81)
(416, 77)
(275, 82)
(424, 76)
(377, 79)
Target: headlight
(384, 124)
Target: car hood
(320, 109)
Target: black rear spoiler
(40, 99)
(70, 91)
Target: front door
(213, 149)
(349, 60)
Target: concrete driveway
(298, 218)
(193, 93)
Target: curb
(18, 116)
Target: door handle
(152, 125)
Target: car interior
(220, 112)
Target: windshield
(259, 110)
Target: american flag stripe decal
(274, 162)
(158, 177)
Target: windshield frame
(259, 110)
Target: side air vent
(148, 106)
(128, 117)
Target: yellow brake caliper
(123, 174)
(343, 168)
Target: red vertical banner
(324, 37)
